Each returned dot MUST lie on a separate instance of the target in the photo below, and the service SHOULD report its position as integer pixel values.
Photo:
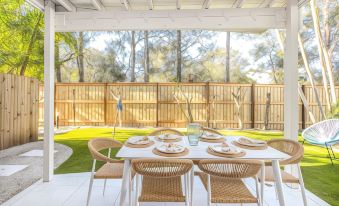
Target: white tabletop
(200, 151)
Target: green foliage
(335, 111)
(21, 39)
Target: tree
(133, 56)
(227, 63)
(178, 62)
(146, 57)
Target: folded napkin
(251, 141)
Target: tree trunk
(227, 64)
(30, 46)
(310, 77)
(57, 62)
(133, 57)
(146, 57)
(323, 56)
(267, 110)
(178, 55)
(81, 58)
(238, 104)
(306, 105)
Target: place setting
(139, 142)
(170, 150)
(225, 150)
(211, 137)
(248, 143)
(168, 138)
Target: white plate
(250, 142)
(208, 135)
(170, 148)
(225, 150)
(138, 140)
(168, 136)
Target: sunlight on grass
(320, 176)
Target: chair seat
(286, 177)
(161, 190)
(225, 190)
(110, 171)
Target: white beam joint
(126, 4)
(49, 36)
(206, 4)
(67, 5)
(98, 5)
(150, 5)
(178, 4)
(237, 4)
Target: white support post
(291, 72)
(48, 164)
(291, 76)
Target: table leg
(278, 181)
(262, 183)
(125, 182)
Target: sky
(242, 45)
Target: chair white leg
(91, 183)
(302, 186)
(137, 189)
(257, 190)
(191, 186)
(262, 177)
(187, 189)
(209, 190)
(103, 193)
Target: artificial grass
(320, 176)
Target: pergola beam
(39, 4)
(67, 5)
(216, 19)
(266, 4)
(98, 5)
(237, 4)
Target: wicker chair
(165, 131)
(223, 180)
(296, 151)
(161, 180)
(112, 169)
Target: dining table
(197, 153)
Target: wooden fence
(19, 98)
(153, 104)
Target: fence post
(252, 105)
(303, 123)
(157, 110)
(105, 104)
(207, 104)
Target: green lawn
(320, 176)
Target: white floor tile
(8, 170)
(34, 153)
(72, 190)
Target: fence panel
(18, 110)
(153, 104)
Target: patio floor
(71, 190)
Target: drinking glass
(194, 132)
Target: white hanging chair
(325, 133)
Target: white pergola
(224, 15)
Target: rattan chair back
(290, 147)
(165, 131)
(229, 168)
(97, 144)
(162, 168)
